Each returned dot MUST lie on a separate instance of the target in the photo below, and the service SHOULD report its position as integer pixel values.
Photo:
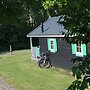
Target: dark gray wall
(88, 48)
(62, 57)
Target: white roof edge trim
(47, 36)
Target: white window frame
(80, 54)
(53, 45)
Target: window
(79, 49)
(52, 45)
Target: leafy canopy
(76, 14)
(76, 17)
(10, 10)
(15, 10)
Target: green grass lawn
(22, 73)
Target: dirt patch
(13, 53)
(4, 86)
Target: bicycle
(44, 61)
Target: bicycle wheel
(41, 64)
(48, 64)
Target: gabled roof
(51, 28)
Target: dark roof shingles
(51, 27)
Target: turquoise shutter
(73, 48)
(48, 42)
(37, 51)
(84, 49)
(55, 45)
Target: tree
(77, 19)
(15, 36)
(77, 22)
(76, 14)
(53, 7)
(17, 18)
(10, 10)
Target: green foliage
(75, 85)
(77, 20)
(16, 36)
(53, 7)
(10, 10)
(76, 14)
(48, 4)
(81, 70)
(13, 10)
(16, 19)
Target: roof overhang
(46, 36)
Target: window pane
(52, 45)
(79, 47)
(51, 42)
